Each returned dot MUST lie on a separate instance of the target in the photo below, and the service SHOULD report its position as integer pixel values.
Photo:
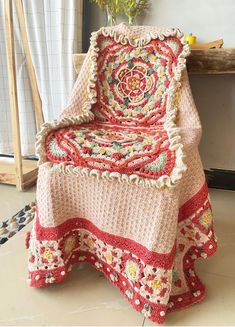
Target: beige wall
(214, 95)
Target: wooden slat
(13, 93)
(212, 61)
(30, 178)
(31, 72)
(209, 61)
(8, 175)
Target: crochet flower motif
(69, 243)
(206, 219)
(132, 270)
(48, 254)
(134, 83)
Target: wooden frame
(18, 171)
(31, 72)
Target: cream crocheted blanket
(121, 184)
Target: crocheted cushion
(131, 101)
(133, 82)
(144, 152)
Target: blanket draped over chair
(121, 184)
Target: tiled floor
(11, 200)
(87, 298)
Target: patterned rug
(10, 227)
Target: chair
(120, 183)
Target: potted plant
(130, 8)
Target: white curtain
(54, 29)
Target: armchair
(120, 183)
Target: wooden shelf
(212, 61)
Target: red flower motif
(149, 50)
(147, 147)
(134, 83)
(70, 242)
(119, 113)
(111, 58)
(163, 62)
(117, 156)
(164, 280)
(71, 135)
(166, 83)
(181, 247)
(105, 99)
(48, 254)
(139, 116)
(87, 150)
(158, 104)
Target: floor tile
(223, 262)
(218, 308)
(12, 200)
(86, 298)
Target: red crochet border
(193, 204)
(196, 288)
(149, 257)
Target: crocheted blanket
(121, 184)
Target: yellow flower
(145, 109)
(121, 58)
(137, 52)
(90, 243)
(102, 150)
(159, 92)
(132, 271)
(148, 141)
(190, 233)
(207, 218)
(69, 244)
(152, 57)
(156, 284)
(161, 72)
(130, 113)
(108, 256)
(131, 148)
(80, 140)
(48, 254)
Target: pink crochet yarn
(113, 188)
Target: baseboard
(221, 179)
